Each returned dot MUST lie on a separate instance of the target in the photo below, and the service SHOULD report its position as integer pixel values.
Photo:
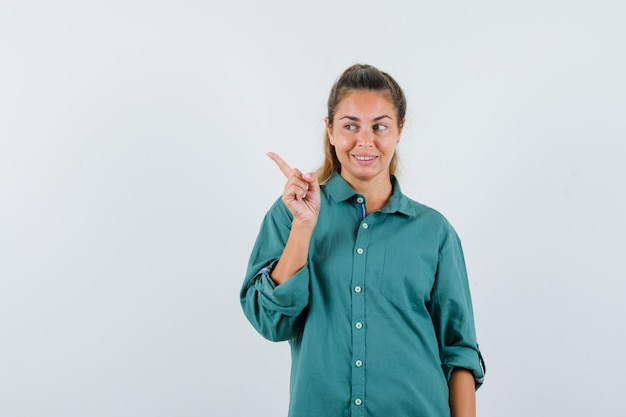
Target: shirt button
(359, 251)
(358, 401)
(358, 325)
(359, 200)
(365, 226)
(358, 363)
(357, 289)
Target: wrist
(303, 226)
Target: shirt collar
(340, 190)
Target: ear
(401, 128)
(329, 131)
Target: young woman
(368, 286)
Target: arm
(452, 314)
(275, 311)
(275, 292)
(462, 393)
(295, 254)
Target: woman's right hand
(301, 194)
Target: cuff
(288, 298)
(467, 358)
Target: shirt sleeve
(452, 313)
(275, 311)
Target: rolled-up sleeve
(452, 313)
(275, 311)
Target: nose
(365, 139)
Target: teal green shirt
(377, 318)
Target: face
(364, 132)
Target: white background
(133, 179)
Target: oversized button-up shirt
(378, 317)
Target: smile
(363, 158)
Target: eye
(350, 127)
(379, 127)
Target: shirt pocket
(407, 279)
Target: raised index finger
(284, 166)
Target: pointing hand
(301, 194)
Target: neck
(376, 192)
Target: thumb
(312, 180)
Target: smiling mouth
(363, 158)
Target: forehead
(365, 104)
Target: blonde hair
(359, 77)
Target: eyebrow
(375, 119)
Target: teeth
(364, 158)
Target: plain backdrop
(133, 180)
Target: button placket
(358, 296)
